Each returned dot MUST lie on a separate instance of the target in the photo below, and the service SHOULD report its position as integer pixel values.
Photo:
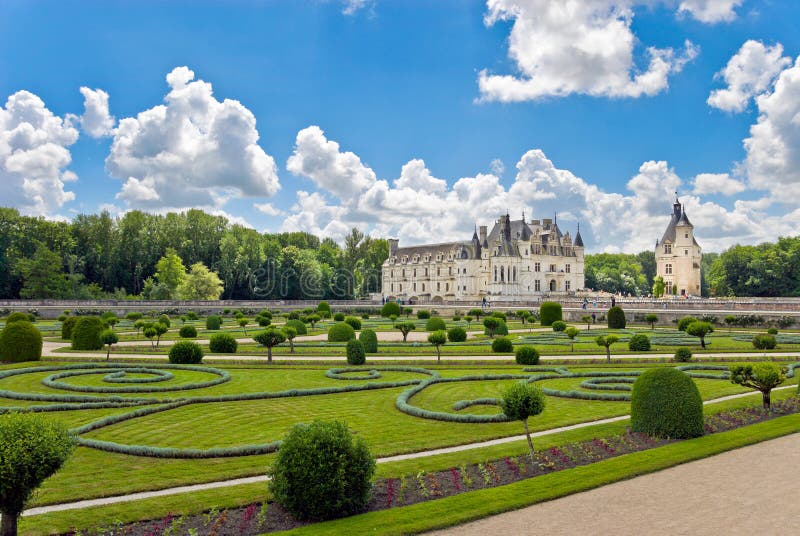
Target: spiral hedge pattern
(141, 389)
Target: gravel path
(751, 490)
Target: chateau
(516, 261)
(678, 255)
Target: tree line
(177, 255)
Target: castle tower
(678, 255)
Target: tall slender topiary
(66, 327)
(369, 339)
(665, 402)
(355, 352)
(549, 312)
(616, 318)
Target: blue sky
(399, 84)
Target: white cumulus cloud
(561, 47)
(710, 11)
(96, 120)
(34, 155)
(192, 151)
(748, 73)
(717, 183)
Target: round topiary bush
(764, 342)
(338, 317)
(324, 307)
(356, 354)
(639, 343)
(684, 322)
(186, 353)
(322, 472)
(435, 323)
(20, 341)
(549, 312)
(423, 314)
(222, 343)
(298, 325)
(502, 345)
(526, 355)
(456, 334)
(67, 326)
(86, 333)
(616, 318)
(772, 331)
(370, 340)
(665, 402)
(354, 322)
(390, 308)
(213, 322)
(18, 316)
(559, 326)
(341, 332)
(164, 319)
(188, 332)
(683, 355)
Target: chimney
(546, 223)
(393, 242)
(482, 229)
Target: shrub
(188, 332)
(494, 326)
(456, 334)
(616, 318)
(390, 308)
(683, 355)
(20, 317)
(502, 345)
(549, 312)
(191, 315)
(526, 355)
(322, 471)
(222, 343)
(339, 317)
(435, 324)
(772, 331)
(354, 322)
(186, 353)
(133, 316)
(86, 333)
(423, 314)
(324, 307)
(500, 315)
(20, 341)
(764, 342)
(164, 319)
(263, 320)
(369, 339)
(666, 403)
(293, 315)
(67, 327)
(356, 354)
(213, 322)
(341, 332)
(298, 325)
(684, 322)
(559, 325)
(639, 343)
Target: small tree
(161, 329)
(32, 448)
(150, 332)
(651, 319)
(730, 321)
(290, 333)
(586, 319)
(658, 286)
(523, 316)
(406, 328)
(606, 342)
(270, 337)
(243, 321)
(700, 329)
(491, 323)
(468, 320)
(438, 339)
(521, 401)
(572, 332)
(313, 319)
(110, 319)
(139, 324)
(475, 313)
(108, 337)
(407, 311)
(762, 377)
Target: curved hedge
(86, 333)
(549, 312)
(20, 341)
(369, 339)
(355, 352)
(435, 323)
(222, 343)
(186, 352)
(616, 318)
(639, 343)
(456, 334)
(341, 332)
(665, 402)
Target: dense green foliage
(502, 345)
(369, 339)
(222, 343)
(390, 308)
(66, 327)
(683, 355)
(213, 322)
(684, 322)
(406, 328)
(665, 402)
(616, 318)
(456, 334)
(20, 341)
(762, 377)
(356, 354)
(86, 333)
(769, 269)
(526, 355)
(185, 353)
(339, 317)
(438, 339)
(20, 317)
(639, 343)
(341, 332)
(298, 326)
(322, 471)
(620, 272)
(188, 332)
(435, 324)
(520, 402)
(550, 312)
(354, 322)
(423, 314)
(559, 326)
(700, 329)
(270, 338)
(764, 341)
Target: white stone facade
(516, 261)
(678, 256)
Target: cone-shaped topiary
(341, 332)
(86, 333)
(665, 402)
(549, 312)
(20, 341)
(616, 318)
(369, 339)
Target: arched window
(553, 286)
(495, 274)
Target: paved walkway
(751, 490)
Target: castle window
(392, 273)
(552, 267)
(526, 251)
(685, 251)
(446, 287)
(515, 273)
(423, 287)
(668, 269)
(669, 287)
(438, 286)
(567, 268)
(537, 267)
(401, 287)
(495, 274)
(392, 287)
(426, 272)
(686, 235)
(438, 272)
(502, 274)
(537, 285)
(415, 287)
(567, 285)
(415, 272)
(449, 270)
(668, 248)
(404, 272)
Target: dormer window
(667, 248)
